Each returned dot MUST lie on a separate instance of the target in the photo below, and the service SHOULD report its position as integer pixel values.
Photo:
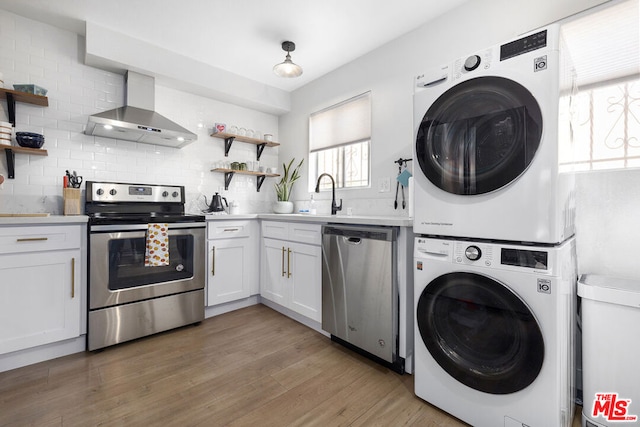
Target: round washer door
(480, 332)
(479, 136)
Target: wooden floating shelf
(25, 97)
(229, 138)
(25, 150)
(240, 172)
(13, 96)
(10, 151)
(229, 173)
(224, 135)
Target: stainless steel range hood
(137, 121)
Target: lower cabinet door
(292, 276)
(306, 280)
(228, 265)
(274, 271)
(39, 298)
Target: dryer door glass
(479, 136)
(480, 332)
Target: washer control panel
(473, 253)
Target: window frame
(361, 110)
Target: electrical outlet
(384, 185)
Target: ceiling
(244, 36)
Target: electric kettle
(216, 203)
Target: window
(340, 143)
(605, 49)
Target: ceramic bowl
(29, 139)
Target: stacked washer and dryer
(495, 267)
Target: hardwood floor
(251, 367)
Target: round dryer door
(480, 332)
(479, 136)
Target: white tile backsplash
(32, 52)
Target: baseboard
(29, 356)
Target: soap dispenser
(312, 206)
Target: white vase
(283, 207)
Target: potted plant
(284, 187)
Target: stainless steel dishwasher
(360, 290)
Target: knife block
(71, 198)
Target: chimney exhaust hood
(137, 121)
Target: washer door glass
(480, 333)
(479, 136)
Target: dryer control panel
(471, 63)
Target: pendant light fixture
(288, 68)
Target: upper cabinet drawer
(228, 229)
(303, 232)
(275, 229)
(40, 238)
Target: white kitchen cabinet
(40, 285)
(232, 259)
(292, 267)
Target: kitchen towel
(403, 178)
(157, 248)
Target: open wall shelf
(13, 96)
(228, 176)
(11, 151)
(229, 138)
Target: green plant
(289, 177)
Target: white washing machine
(494, 331)
(488, 144)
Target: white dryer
(488, 144)
(494, 331)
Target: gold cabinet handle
(73, 278)
(288, 262)
(213, 261)
(283, 261)
(32, 239)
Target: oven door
(117, 272)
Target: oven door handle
(144, 227)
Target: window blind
(344, 123)
(605, 45)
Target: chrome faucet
(334, 207)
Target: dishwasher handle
(355, 234)
(352, 240)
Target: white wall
(607, 201)
(32, 52)
(37, 53)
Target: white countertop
(335, 219)
(42, 220)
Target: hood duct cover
(137, 121)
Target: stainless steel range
(132, 291)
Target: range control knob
(100, 192)
(472, 63)
(113, 192)
(473, 253)
(165, 193)
(175, 194)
